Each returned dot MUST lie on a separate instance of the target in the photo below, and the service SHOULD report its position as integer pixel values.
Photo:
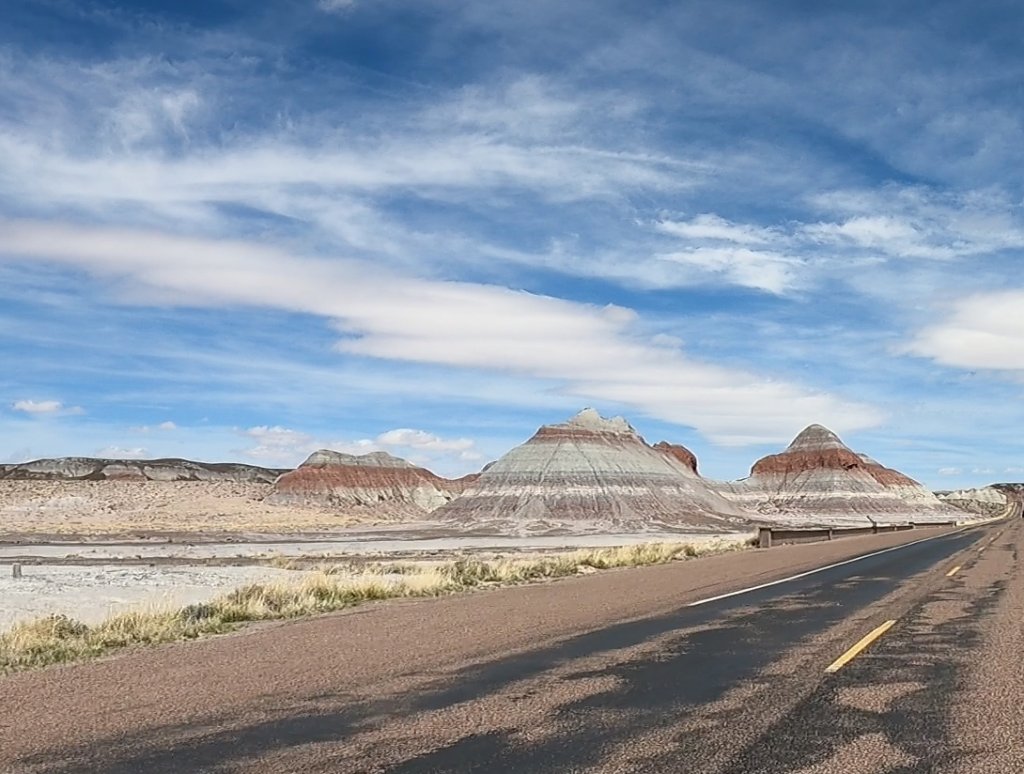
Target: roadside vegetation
(60, 639)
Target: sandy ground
(90, 594)
(368, 547)
(111, 507)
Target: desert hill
(167, 469)
(592, 474)
(390, 486)
(819, 480)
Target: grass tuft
(59, 639)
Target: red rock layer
(389, 484)
(594, 475)
(681, 453)
(324, 478)
(818, 479)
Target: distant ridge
(164, 469)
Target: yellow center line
(853, 652)
(954, 571)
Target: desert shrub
(191, 614)
(466, 573)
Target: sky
(244, 230)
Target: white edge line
(819, 569)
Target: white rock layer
(591, 474)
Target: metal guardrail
(769, 536)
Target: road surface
(663, 669)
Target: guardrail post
(16, 571)
(764, 536)
(830, 536)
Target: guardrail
(769, 536)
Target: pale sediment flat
(371, 545)
(90, 594)
(98, 585)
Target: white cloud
(142, 117)
(984, 331)
(713, 227)
(283, 446)
(146, 429)
(45, 407)
(914, 222)
(417, 439)
(279, 445)
(950, 471)
(122, 453)
(529, 138)
(762, 270)
(38, 407)
(869, 227)
(983, 471)
(591, 351)
(334, 6)
(522, 135)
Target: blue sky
(244, 230)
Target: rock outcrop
(987, 501)
(390, 486)
(681, 453)
(592, 474)
(819, 481)
(168, 469)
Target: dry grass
(59, 639)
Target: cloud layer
(282, 446)
(739, 220)
(45, 408)
(592, 352)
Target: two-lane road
(717, 666)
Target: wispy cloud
(45, 408)
(122, 453)
(913, 222)
(470, 199)
(146, 429)
(762, 270)
(589, 349)
(710, 227)
(38, 407)
(334, 6)
(283, 446)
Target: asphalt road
(633, 671)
